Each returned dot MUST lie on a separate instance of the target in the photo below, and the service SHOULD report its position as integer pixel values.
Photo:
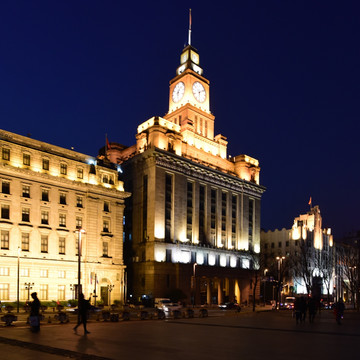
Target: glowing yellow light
(160, 255)
(257, 248)
(211, 259)
(222, 260)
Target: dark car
(229, 306)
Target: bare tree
(302, 263)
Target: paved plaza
(222, 335)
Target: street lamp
(79, 231)
(72, 289)
(279, 260)
(265, 271)
(28, 287)
(194, 282)
(110, 289)
(18, 279)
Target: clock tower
(189, 98)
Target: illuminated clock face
(199, 92)
(178, 92)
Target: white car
(166, 305)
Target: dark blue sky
(284, 81)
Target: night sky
(284, 79)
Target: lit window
(44, 243)
(5, 187)
(105, 179)
(26, 191)
(62, 220)
(25, 214)
(105, 249)
(61, 292)
(79, 201)
(61, 274)
(25, 241)
(6, 154)
(78, 222)
(43, 292)
(44, 195)
(62, 245)
(45, 164)
(106, 226)
(26, 159)
(106, 206)
(44, 273)
(80, 173)
(63, 169)
(62, 198)
(45, 217)
(4, 271)
(4, 291)
(24, 272)
(4, 239)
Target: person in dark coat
(303, 307)
(83, 308)
(297, 309)
(312, 309)
(35, 313)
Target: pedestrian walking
(297, 310)
(303, 307)
(312, 309)
(83, 308)
(34, 318)
(339, 308)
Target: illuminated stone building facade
(307, 228)
(47, 193)
(194, 217)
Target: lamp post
(194, 283)
(280, 260)
(110, 289)
(18, 280)
(265, 271)
(28, 287)
(79, 231)
(72, 289)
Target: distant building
(194, 218)
(47, 193)
(287, 246)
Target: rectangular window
(279, 244)
(44, 243)
(5, 187)
(63, 169)
(25, 214)
(4, 239)
(105, 249)
(4, 271)
(25, 241)
(26, 191)
(206, 128)
(45, 164)
(61, 292)
(189, 210)
(43, 292)
(106, 226)
(202, 238)
(61, 274)
(105, 179)
(5, 211)
(80, 173)
(168, 205)
(106, 206)
(62, 220)
(251, 221)
(26, 159)
(4, 291)
(24, 272)
(62, 245)
(6, 154)
(79, 201)
(77, 243)
(44, 217)
(62, 199)
(78, 222)
(44, 273)
(213, 208)
(145, 207)
(44, 195)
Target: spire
(189, 38)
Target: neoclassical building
(193, 222)
(48, 193)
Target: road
(222, 335)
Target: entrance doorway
(104, 293)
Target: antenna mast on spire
(189, 39)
